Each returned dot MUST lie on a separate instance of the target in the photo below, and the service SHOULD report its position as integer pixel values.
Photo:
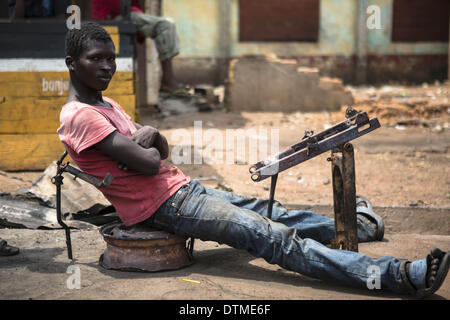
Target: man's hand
(129, 155)
(148, 137)
(145, 136)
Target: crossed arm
(142, 152)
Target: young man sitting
(101, 138)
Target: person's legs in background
(164, 34)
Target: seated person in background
(161, 30)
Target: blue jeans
(291, 239)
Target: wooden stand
(344, 198)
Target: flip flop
(6, 250)
(441, 273)
(367, 211)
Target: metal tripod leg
(344, 196)
(58, 182)
(273, 184)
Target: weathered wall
(397, 61)
(200, 29)
(209, 33)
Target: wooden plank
(114, 34)
(43, 39)
(21, 43)
(35, 151)
(29, 151)
(33, 27)
(4, 10)
(41, 115)
(35, 76)
(57, 88)
(56, 26)
(15, 64)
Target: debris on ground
(201, 98)
(83, 206)
(427, 105)
(269, 83)
(77, 195)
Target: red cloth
(135, 196)
(100, 9)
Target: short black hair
(76, 39)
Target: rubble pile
(267, 83)
(408, 105)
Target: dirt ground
(401, 167)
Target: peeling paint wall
(198, 26)
(209, 35)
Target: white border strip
(57, 65)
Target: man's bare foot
(437, 269)
(181, 92)
(431, 271)
(170, 87)
(169, 83)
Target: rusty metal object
(344, 198)
(57, 180)
(336, 139)
(86, 177)
(356, 125)
(273, 184)
(141, 248)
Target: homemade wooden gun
(336, 139)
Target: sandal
(417, 277)
(6, 250)
(441, 273)
(367, 211)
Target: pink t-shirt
(135, 196)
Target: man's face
(96, 65)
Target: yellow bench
(34, 83)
